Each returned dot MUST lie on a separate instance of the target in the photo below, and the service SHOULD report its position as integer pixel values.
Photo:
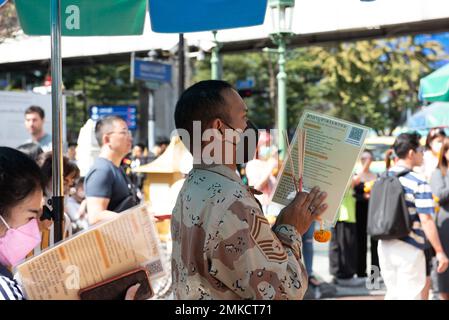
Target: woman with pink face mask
(21, 195)
(21, 201)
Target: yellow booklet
(104, 251)
(331, 149)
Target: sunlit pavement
(321, 270)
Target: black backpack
(388, 215)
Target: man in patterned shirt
(402, 261)
(223, 246)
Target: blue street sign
(126, 112)
(152, 71)
(245, 84)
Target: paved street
(321, 269)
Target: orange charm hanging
(322, 235)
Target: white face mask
(436, 146)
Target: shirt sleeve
(423, 199)
(99, 184)
(254, 261)
(10, 290)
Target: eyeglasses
(127, 132)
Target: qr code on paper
(355, 136)
(155, 269)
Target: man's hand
(303, 210)
(443, 262)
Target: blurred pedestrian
(361, 184)
(160, 146)
(76, 207)
(402, 261)
(440, 188)
(434, 141)
(139, 158)
(70, 174)
(343, 245)
(34, 123)
(108, 189)
(260, 170)
(71, 151)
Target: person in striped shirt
(402, 261)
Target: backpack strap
(403, 173)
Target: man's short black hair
(35, 109)
(201, 102)
(406, 142)
(162, 140)
(104, 126)
(141, 146)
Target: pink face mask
(17, 243)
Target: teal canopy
(435, 86)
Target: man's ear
(410, 154)
(216, 124)
(106, 139)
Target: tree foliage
(95, 85)
(9, 23)
(368, 82)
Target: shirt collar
(221, 170)
(226, 172)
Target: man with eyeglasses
(223, 246)
(108, 190)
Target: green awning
(84, 17)
(435, 86)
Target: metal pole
(56, 95)
(282, 96)
(215, 59)
(181, 65)
(151, 120)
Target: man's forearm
(431, 232)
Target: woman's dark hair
(68, 167)
(32, 150)
(443, 161)
(434, 133)
(20, 177)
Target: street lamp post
(215, 59)
(282, 14)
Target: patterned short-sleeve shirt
(224, 247)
